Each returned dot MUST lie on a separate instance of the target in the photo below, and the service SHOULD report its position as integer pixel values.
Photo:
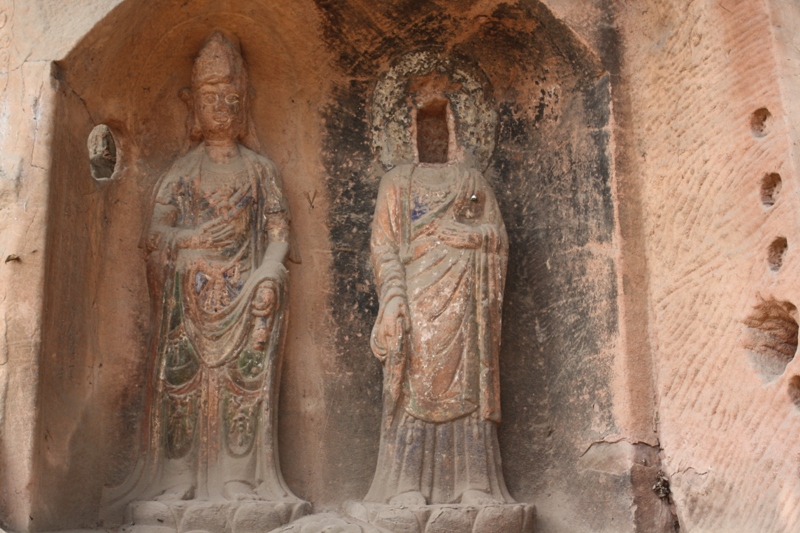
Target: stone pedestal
(330, 523)
(224, 516)
(447, 518)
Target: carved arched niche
(127, 73)
(549, 165)
(314, 67)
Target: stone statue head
(218, 97)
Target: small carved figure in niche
(439, 250)
(217, 243)
(102, 152)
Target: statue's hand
(395, 323)
(216, 233)
(264, 300)
(154, 241)
(460, 235)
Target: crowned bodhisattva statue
(216, 247)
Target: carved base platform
(330, 523)
(223, 516)
(447, 518)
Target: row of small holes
(770, 189)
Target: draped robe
(441, 386)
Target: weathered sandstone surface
(645, 164)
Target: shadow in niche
(433, 135)
(770, 189)
(793, 389)
(776, 252)
(771, 337)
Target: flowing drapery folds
(441, 379)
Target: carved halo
(470, 98)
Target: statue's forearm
(390, 276)
(277, 252)
(162, 226)
(277, 228)
(157, 235)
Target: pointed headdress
(219, 61)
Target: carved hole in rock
(433, 135)
(102, 152)
(776, 252)
(794, 390)
(771, 336)
(770, 189)
(759, 122)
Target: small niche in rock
(433, 134)
(770, 189)
(776, 252)
(102, 152)
(793, 388)
(759, 122)
(771, 337)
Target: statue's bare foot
(177, 493)
(237, 490)
(409, 499)
(479, 497)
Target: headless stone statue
(217, 243)
(439, 251)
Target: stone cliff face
(645, 165)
